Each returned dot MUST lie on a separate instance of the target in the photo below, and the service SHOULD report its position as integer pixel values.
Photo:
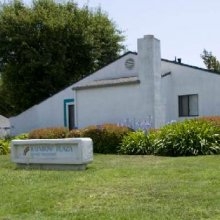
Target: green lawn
(114, 187)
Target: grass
(114, 187)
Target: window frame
(180, 105)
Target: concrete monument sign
(67, 153)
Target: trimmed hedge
(106, 138)
(74, 133)
(98, 137)
(48, 133)
(215, 120)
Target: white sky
(184, 27)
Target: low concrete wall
(68, 153)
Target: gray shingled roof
(108, 82)
(190, 66)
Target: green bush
(106, 138)
(48, 133)
(4, 146)
(5, 143)
(21, 136)
(190, 137)
(136, 143)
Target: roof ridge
(191, 66)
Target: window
(188, 105)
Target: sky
(184, 27)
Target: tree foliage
(48, 46)
(210, 61)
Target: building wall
(139, 102)
(114, 104)
(109, 105)
(185, 80)
(49, 113)
(116, 69)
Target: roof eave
(109, 84)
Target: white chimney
(149, 70)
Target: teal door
(69, 113)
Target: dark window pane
(188, 105)
(193, 105)
(71, 118)
(183, 105)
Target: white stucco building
(139, 86)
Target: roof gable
(116, 73)
(112, 71)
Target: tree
(210, 61)
(48, 46)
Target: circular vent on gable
(129, 63)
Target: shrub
(190, 137)
(106, 138)
(48, 133)
(4, 146)
(5, 143)
(113, 136)
(215, 120)
(22, 136)
(136, 143)
(74, 133)
(96, 134)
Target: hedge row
(190, 137)
(106, 138)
